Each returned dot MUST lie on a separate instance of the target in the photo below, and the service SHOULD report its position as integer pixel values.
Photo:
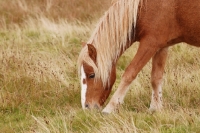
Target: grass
(39, 87)
(18, 11)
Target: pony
(156, 25)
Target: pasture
(40, 41)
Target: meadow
(40, 41)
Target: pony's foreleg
(158, 64)
(143, 55)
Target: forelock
(85, 58)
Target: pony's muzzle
(95, 106)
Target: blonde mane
(111, 35)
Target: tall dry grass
(18, 11)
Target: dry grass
(39, 88)
(18, 11)
(33, 75)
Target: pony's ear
(83, 44)
(92, 52)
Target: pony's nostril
(87, 106)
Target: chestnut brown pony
(156, 24)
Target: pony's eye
(91, 76)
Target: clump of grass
(181, 120)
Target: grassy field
(39, 88)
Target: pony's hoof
(105, 113)
(152, 110)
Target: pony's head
(95, 87)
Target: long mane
(111, 35)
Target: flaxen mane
(110, 36)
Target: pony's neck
(113, 34)
(122, 50)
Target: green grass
(40, 91)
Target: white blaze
(83, 88)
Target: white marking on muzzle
(83, 88)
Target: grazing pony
(156, 24)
